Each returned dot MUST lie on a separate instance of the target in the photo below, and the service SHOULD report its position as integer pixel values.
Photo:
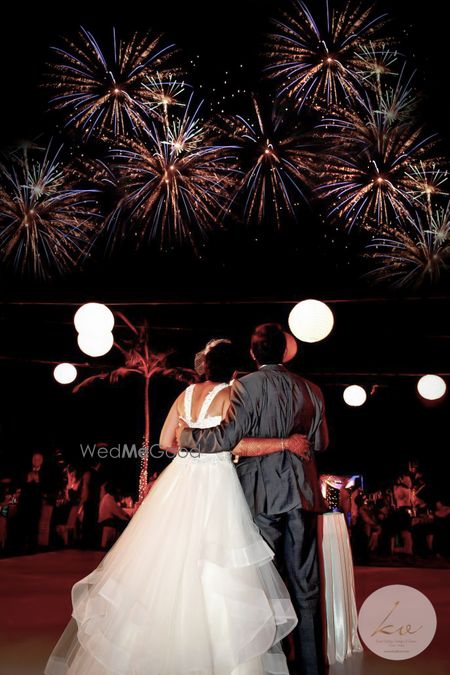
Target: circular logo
(397, 622)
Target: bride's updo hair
(220, 362)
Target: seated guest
(365, 530)
(110, 514)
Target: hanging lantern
(65, 373)
(311, 321)
(431, 387)
(94, 318)
(291, 348)
(355, 396)
(95, 344)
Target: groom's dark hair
(268, 343)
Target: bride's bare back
(219, 407)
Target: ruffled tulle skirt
(190, 587)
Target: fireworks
(416, 255)
(320, 64)
(176, 182)
(396, 104)
(46, 223)
(426, 182)
(339, 123)
(277, 163)
(375, 62)
(367, 174)
(163, 95)
(104, 96)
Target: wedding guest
(35, 473)
(30, 504)
(413, 470)
(442, 529)
(69, 495)
(112, 519)
(110, 513)
(72, 490)
(423, 528)
(402, 515)
(91, 483)
(365, 530)
(382, 513)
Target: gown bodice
(204, 421)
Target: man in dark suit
(282, 491)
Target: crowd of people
(63, 505)
(404, 521)
(58, 504)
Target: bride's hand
(299, 445)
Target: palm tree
(139, 358)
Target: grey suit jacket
(271, 403)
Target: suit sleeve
(320, 439)
(226, 435)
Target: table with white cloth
(338, 588)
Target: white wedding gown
(188, 588)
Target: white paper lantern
(95, 344)
(94, 318)
(431, 387)
(311, 320)
(291, 348)
(355, 395)
(65, 373)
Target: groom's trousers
(293, 538)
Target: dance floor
(35, 606)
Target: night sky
(307, 259)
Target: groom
(282, 491)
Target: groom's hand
(299, 445)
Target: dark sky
(224, 35)
(392, 336)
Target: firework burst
(164, 95)
(397, 103)
(320, 64)
(426, 181)
(416, 255)
(374, 62)
(46, 222)
(103, 95)
(176, 182)
(277, 162)
(366, 176)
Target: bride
(190, 586)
